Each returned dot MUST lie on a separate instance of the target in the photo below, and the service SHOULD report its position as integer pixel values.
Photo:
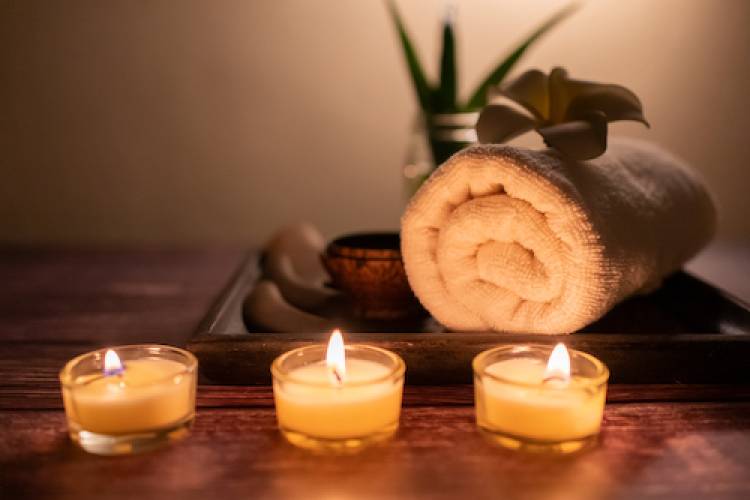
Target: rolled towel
(515, 240)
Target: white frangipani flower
(571, 115)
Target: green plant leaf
(479, 97)
(446, 93)
(421, 86)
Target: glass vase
(434, 139)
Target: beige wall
(167, 122)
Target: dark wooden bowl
(368, 268)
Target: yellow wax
(338, 412)
(149, 394)
(534, 410)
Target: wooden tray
(686, 332)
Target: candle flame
(558, 366)
(112, 363)
(336, 358)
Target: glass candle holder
(317, 413)
(146, 400)
(518, 409)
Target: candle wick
(337, 376)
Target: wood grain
(647, 450)
(659, 441)
(108, 297)
(445, 358)
(45, 395)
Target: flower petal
(558, 88)
(579, 140)
(563, 90)
(498, 123)
(530, 91)
(615, 101)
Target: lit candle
(129, 398)
(538, 398)
(337, 397)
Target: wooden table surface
(657, 441)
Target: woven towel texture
(514, 240)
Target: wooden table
(658, 441)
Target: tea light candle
(129, 398)
(337, 397)
(538, 398)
